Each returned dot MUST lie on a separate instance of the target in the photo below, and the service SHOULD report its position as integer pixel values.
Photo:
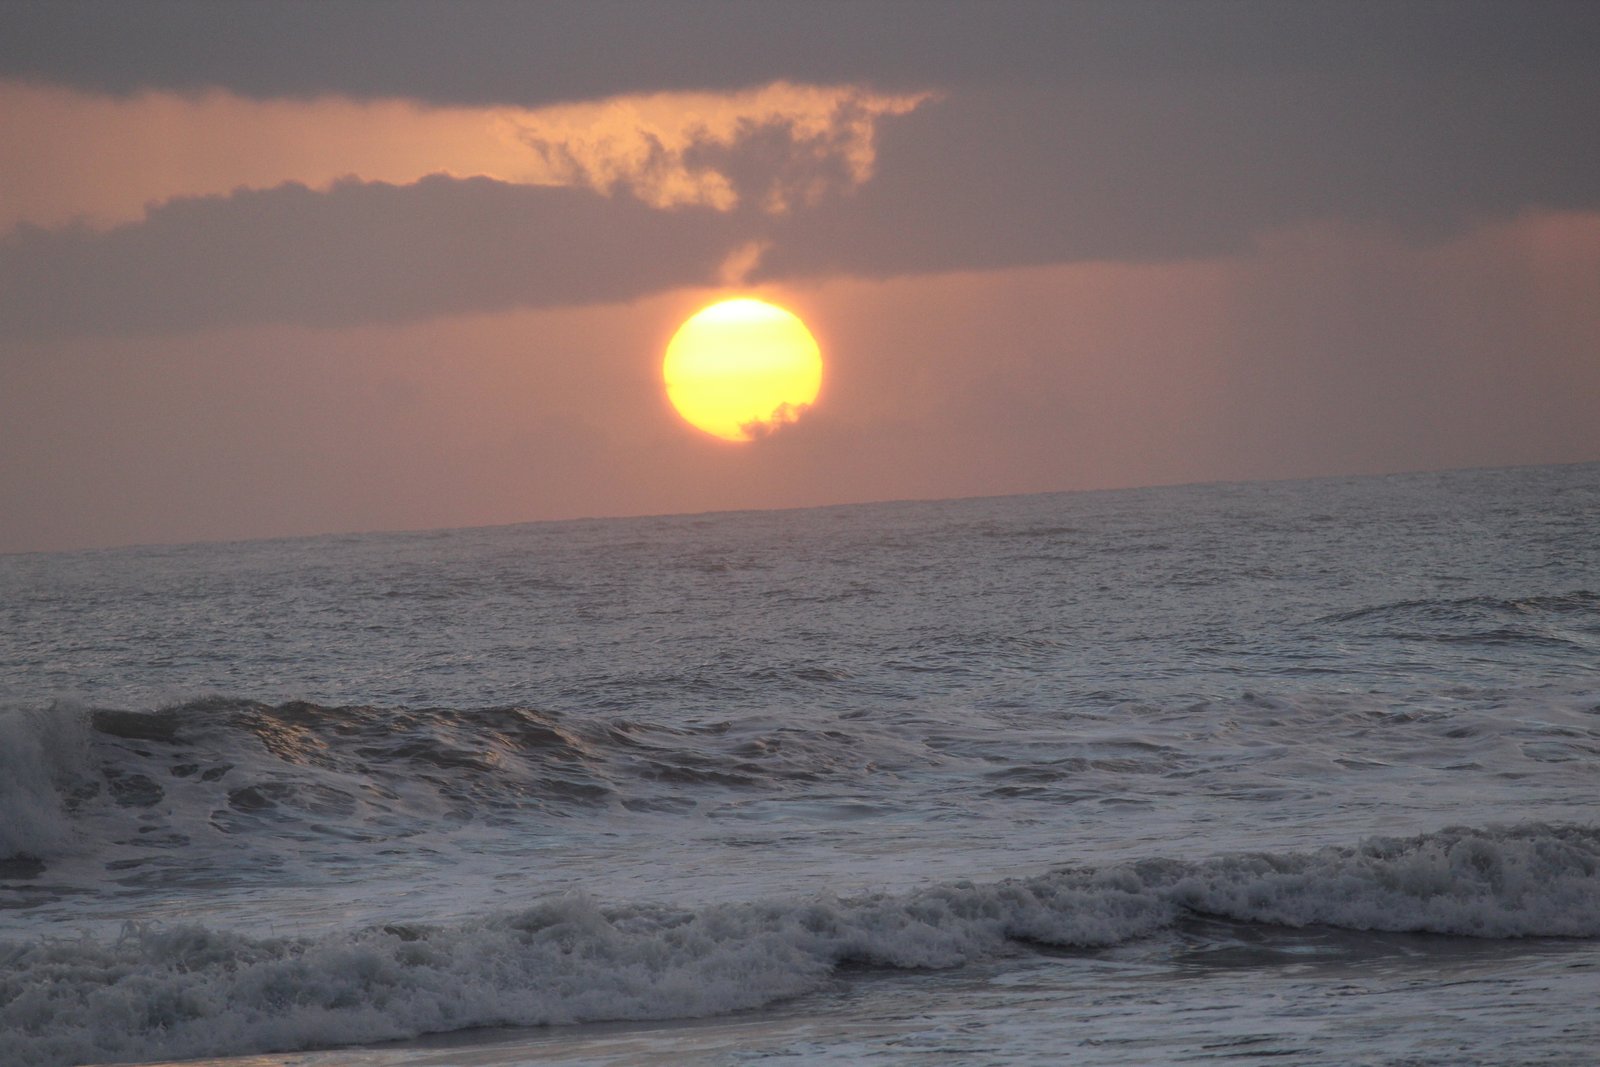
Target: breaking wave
(193, 991)
(224, 768)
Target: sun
(740, 369)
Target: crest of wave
(192, 991)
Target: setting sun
(741, 368)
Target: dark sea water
(1302, 772)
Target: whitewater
(1296, 772)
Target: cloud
(769, 147)
(974, 181)
(734, 271)
(1019, 176)
(1156, 132)
(508, 52)
(360, 252)
(78, 156)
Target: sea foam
(189, 991)
(42, 752)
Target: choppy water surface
(1156, 775)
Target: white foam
(1521, 882)
(42, 751)
(191, 991)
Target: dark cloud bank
(1012, 177)
(360, 252)
(509, 51)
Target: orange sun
(742, 368)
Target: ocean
(1302, 772)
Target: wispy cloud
(100, 159)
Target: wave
(193, 991)
(42, 756)
(224, 789)
(1578, 610)
(156, 786)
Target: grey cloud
(508, 51)
(1454, 114)
(1009, 176)
(774, 168)
(987, 179)
(360, 252)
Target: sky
(281, 269)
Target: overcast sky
(274, 269)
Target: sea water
(1307, 772)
